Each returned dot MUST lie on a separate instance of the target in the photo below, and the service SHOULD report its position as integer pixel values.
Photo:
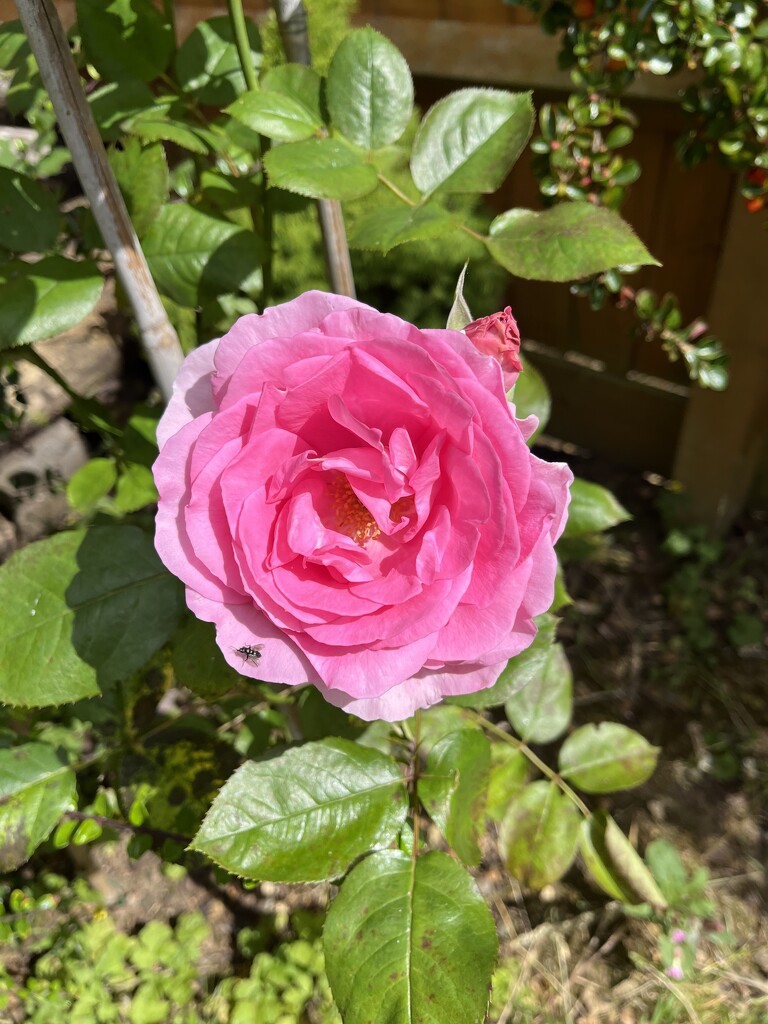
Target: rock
(32, 477)
(7, 538)
(87, 357)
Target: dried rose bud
(498, 336)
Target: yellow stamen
(352, 517)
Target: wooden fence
(613, 394)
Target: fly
(250, 653)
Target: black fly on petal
(250, 653)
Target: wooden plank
(496, 54)
(724, 434)
(610, 415)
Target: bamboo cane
(57, 69)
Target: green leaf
(207, 63)
(198, 662)
(469, 141)
(410, 942)
(539, 835)
(531, 397)
(279, 117)
(614, 863)
(154, 126)
(320, 169)
(520, 671)
(509, 775)
(299, 83)
(319, 719)
(36, 788)
(14, 46)
(43, 299)
(542, 709)
(667, 868)
(390, 225)
(125, 39)
(135, 488)
(566, 242)
(115, 103)
(305, 815)
(81, 609)
(453, 789)
(607, 756)
(142, 175)
(592, 509)
(437, 722)
(91, 483)
(460, 315)
(29, 214)
(369, 90)
(191, 254)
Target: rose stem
(292, 22)
(526, 751)
(264, 215)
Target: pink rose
(356, 496)
(498, 336)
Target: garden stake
(292, 21)
(57, 68)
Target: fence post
(62, 82)
(724, 433)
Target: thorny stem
(526, 751)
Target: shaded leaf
(207, 63)
(453, 789)
(305, 815)
(607, 756)
(190, 254)
(198, 662)
(320, 169)
(114, 103)
(369, 90)
(156, 126)
(389, 226)
(125, 39)
(82, 609)
(43, 299)
(567, 242)
(410, 942)
(469, 140)
(531, 397)
(36, 788)
(29, 214)
(593, 508)
(539, 835)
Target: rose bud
(498, 336)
